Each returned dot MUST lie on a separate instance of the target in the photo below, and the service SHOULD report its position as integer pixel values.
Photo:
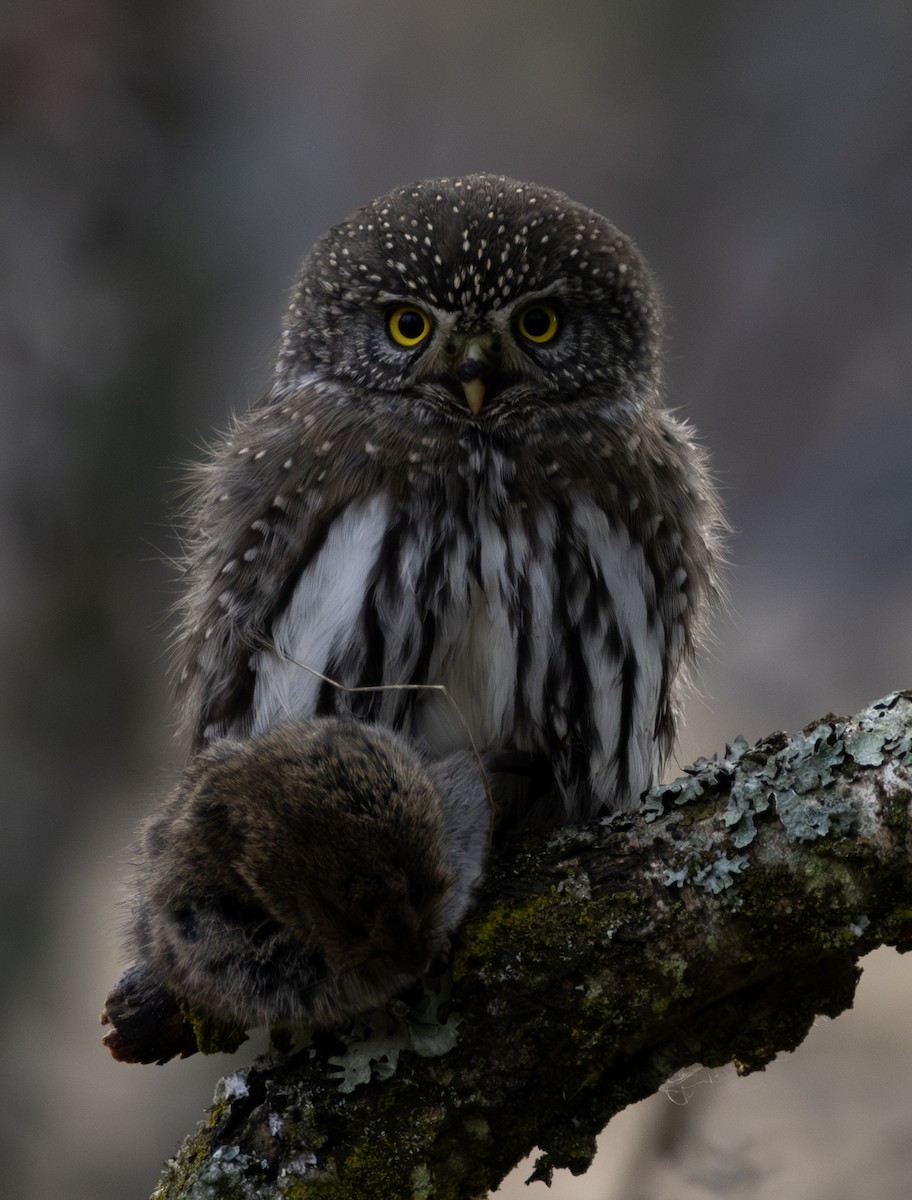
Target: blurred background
(163, 168)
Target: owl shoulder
(260, 508)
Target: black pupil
(411, 325)
(537, 322)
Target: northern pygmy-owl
(463, 475)
(296, 878)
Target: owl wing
(628, 524)
(274, 490)
(655, 478)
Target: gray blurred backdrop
(164, 167)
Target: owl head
(475, 295)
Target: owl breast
(473, 612)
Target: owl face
(474, 296)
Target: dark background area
(163, 168)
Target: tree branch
(712, 927)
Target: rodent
(305, 875)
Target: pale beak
(476, 360)
(474, 393)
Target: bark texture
(712, 926)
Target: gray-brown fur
(306, 875)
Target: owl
(461, 511)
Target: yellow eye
(407, 325)
(539, 322)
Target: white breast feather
(475, 649)
(324, 609)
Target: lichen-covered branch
(712, 927)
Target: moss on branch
(713, 926)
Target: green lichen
(297, 1189)
(575, 886)
(882, 735)
(375, 1040)
(422, 1184)
(477, 1126)
(675, 968)
(514, 937)
(713, 876)
(214, 1036)
(702, 780)
(698, 861)
(199, 1173)
(660, 1006)
(502, 925)
(750, 796)
(807, 820)
(812, 756)
(377, 1171)
(865, 746)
